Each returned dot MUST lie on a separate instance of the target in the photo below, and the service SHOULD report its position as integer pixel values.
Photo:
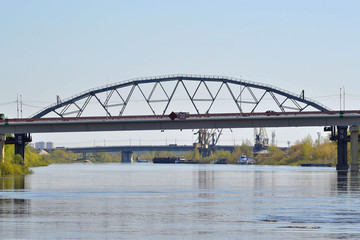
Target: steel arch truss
(164, 94)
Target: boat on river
(180, 160)
(164, 160)
(142, 160)
(220, 161)
(243, 160)
(192, 162)
(316, 165)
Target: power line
(33, 106)
(7, 103)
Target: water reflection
(342, 181)
(205, 181)
(12, 183)
(348, 181)
(354, 181)
(12, 205)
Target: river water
(150, 201)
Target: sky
(50, 48)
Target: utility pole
(21, 106)
(344, 98)
(17, 105)
(340, 99)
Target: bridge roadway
(142, 148)
(194, 121)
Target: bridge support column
(126, 156)
(354, 135)
(2, 149)
(342, 164)
(20, 140)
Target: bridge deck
(195, 121)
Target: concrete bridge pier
(342, 153)
(126, 156)
(20, 140)
(2, 149)
(354, 136)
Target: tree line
(303, 151)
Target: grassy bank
(304, 151)
(14, 164)
(13, 169)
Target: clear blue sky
(50, 48)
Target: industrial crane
(261, 140)
(207, 140)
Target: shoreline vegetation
(304, 151)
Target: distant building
(44, 145)
(40, 145)
(50, 145)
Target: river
(150, 201)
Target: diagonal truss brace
(298, 103)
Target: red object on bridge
(172, 116)
(179, 115)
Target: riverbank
(7, 168)
(304, 151)
(15, 165)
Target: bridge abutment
(354, 136)
(126, 156)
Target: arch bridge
(204, 101)
(187, 93)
